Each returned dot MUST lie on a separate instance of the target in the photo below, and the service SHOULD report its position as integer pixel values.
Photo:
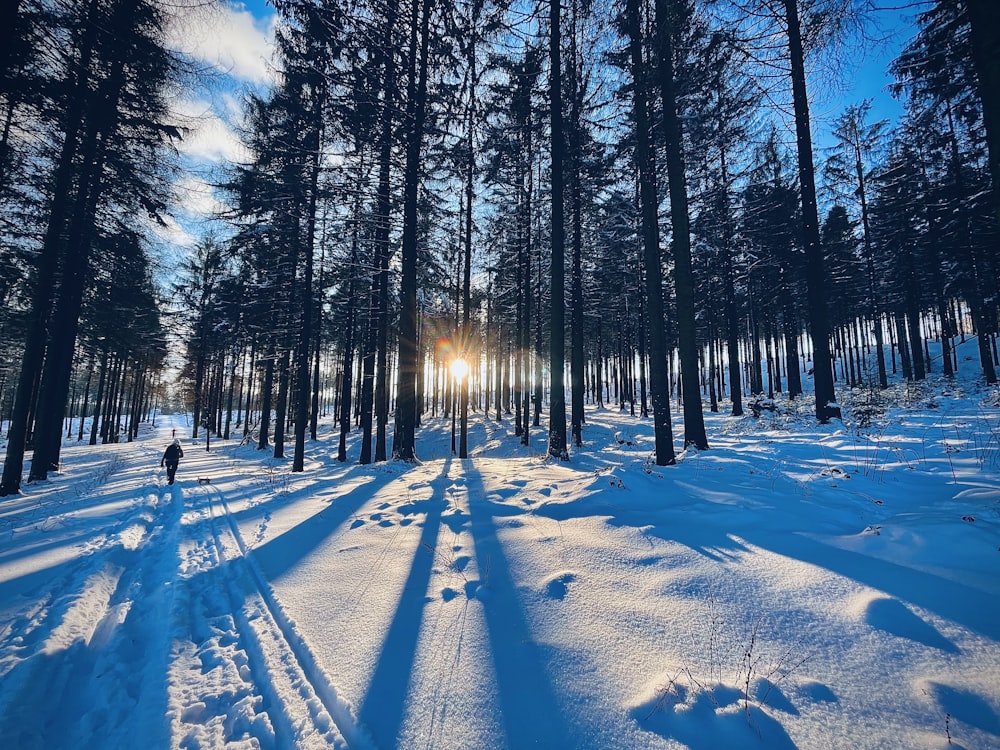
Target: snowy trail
(162, 617)
(93, 624)
(286, 700)
(509, 601)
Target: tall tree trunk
(366, 400)
(346, 383)
(267, 391)
(694, 419)
(790, 329)
(470, 175)
(557, 343)
(904, 347)
(873, 305)
(99, 398)
(304, 344)
(576, 293)
(525, 251)
(230, 395)
(382, 358)
(659, 385)
(816, 280)
(86, 397)
(406, 407)
(729, 282)
(281, 406)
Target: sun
(459, 368)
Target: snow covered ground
(796, 586)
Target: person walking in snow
(171, 458)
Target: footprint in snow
(559, 586)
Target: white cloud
(173, 235)
(197, 198)
(230, 40)
(207, 136)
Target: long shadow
(93, 530)
(968, 606)
(273, 492)
(973, 608)
(705, 538)
(280, 554)
(104, 686)
(29, 583)
(383, 706)
(531, 714)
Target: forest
(620, 204)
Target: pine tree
(557, 333)
(644, 158)
(407, 360)
(849, 167)
(816, 278)
(669, 14)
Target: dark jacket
(172, 454)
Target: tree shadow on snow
(709, 535)
(278, 555)
(383, 707)
(531, 714)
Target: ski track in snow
(511, 601)
(171, 590)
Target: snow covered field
(797, 586)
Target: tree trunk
(816, 280)
(86, 397)
(304, 344)
(659, 386)
(406, 410)
(281, 407)
(557, 318)
(576, 293)
(265, 406)
(470, 174)
(694, 419)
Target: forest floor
(795, 586)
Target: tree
(898, 231)
(849, 166)
(668, 15)
(407, 360)
(771, 228)
(659, 383)
(198, 289)
(816, 279)
(557, 317)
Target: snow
(795, 586)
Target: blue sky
(863, 76)
(232, 44)
(234, 40)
